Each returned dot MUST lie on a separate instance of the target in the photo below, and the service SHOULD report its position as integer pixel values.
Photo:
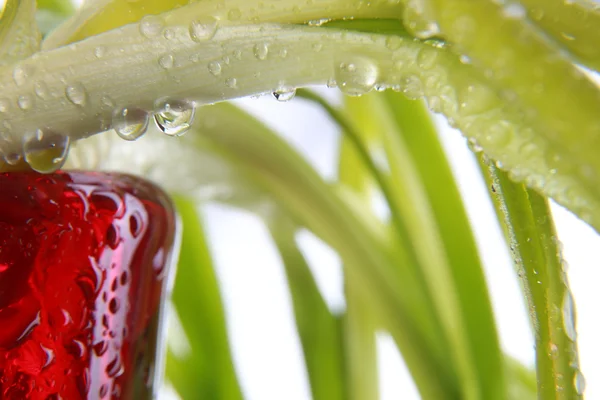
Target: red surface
(82, 269)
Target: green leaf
(320, 331)
(532, 238)
(207, 371)
(536, 80)
(417, 131)
(572, 23)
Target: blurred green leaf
(532, 238)
(19, 35)
(420, 137)
(207, 371)
(320, 331)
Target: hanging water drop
(174, 118)
(76, 94)
(151, 26)
(130, 123)
(284, 94)
(356, 77)
(203, 28)
(45, 151)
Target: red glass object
(84, 261)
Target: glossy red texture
(83, 270)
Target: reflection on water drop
(130, 123)
(579, 382)
(174, 118)
(45, 151)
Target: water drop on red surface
(80, 284)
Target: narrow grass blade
(207, 371)
(534, 246)
(320, 331)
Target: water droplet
(234, 14)
(283, 53)
(24, 102)
(231, 83)
(41, 89)
(411, 87)
(76, 94)
(99, 51)
(100, 348)
(113, 305)
(174, 118)
(103, 390)
(166, 61)
(151, 26)
(261, 51)
(317, 47)
(49, 353)
(568, 314)
(214, 67)
(203, 28)
(393, 42)
(417, 22)
(21, 75)
(45, 151)
(426, 58)
(579, 382)
(115, 368)
(237, 53)
(130, 123)
(169, 34)
(356, 77)
(284, 94)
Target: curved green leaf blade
(534, 246)
(320, 331)
(207, 371)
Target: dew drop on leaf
(130, 123)
(174, 118)
(214, 67)
(261, 51)
(166, 61)
(568, 314)
(76, 94)
(203, 28)
(356, 77)
(24, 102)
(45, 151)
(151, 26)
